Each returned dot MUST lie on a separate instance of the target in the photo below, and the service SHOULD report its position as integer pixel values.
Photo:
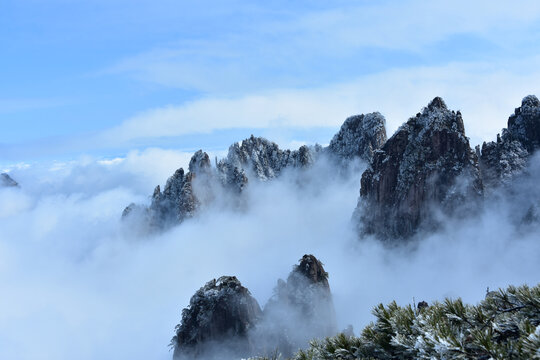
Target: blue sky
(106, 76)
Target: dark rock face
(219, 311)
(7, 181)
(427, 162)
(502, 160)
(359, 136)
(301, 308)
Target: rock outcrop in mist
(424, 174)
(359, 136)
(253, 159)
(7, 181)
(261, 159)
(502, 160)
(300, 309)
(427, 165)
(224, 320)
(221, 311)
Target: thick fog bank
(76, 282)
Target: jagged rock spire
(428, 161)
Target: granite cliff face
(426, 165)
(7, 181)
(221, 311)
(502, 160)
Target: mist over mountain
(89, 281)
(423, 178)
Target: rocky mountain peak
(502, 160)
(224, 313)
(7, 181)
(310, 268)
(524, 124)
(200, 163)
(427, 162)
(530, 101)
(359, 136)
(301, 307)
(221, 310)
(437, 103)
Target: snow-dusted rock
(177, 201)
(254, 159)
(426, 165)
(200, 163)
(502, 160)
(7, 181)
(524, 124)
(221, 311)
(359, 136)
(260, 159)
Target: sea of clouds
(77, 282)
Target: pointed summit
(437, 103)
(530, 100)
(427, 162)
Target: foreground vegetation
(506, 325)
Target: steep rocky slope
(426, 166)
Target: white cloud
(485, 94)
(411, 25)
(305, 46)
(76, 284)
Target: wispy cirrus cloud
(486, 95)
(332, 44)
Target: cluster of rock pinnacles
(427, 165)
(223, 319)
(425, 171)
